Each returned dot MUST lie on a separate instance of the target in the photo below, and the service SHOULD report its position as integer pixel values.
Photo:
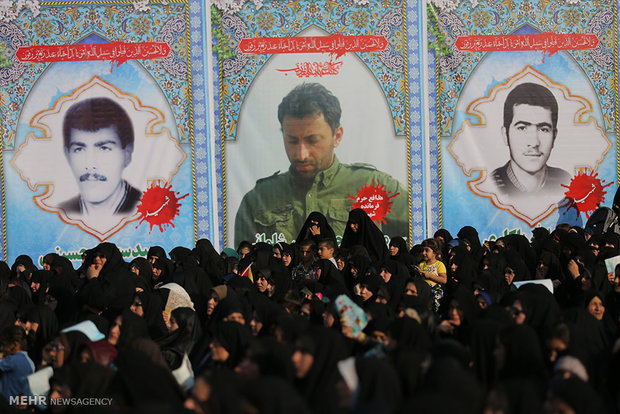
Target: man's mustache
(92, 177)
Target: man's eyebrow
(106, 142)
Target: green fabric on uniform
(280, 203)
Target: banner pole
(427, 119)
(216, 219)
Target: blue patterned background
(505, 17)
(177, 23)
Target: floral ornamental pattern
(507, 16)
(173, 33)
(454, 28)
(602, 25)
(237, 30)
(68, 24)
(292, 17)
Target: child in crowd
(433, 270)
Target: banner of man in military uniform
(314, 117)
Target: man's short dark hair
(530, 94)
(328, 243)
(307, 242)
(309, 99)
(244, 245)
(95, 114)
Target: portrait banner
(314, 115)
(526, 116)
(100, 119)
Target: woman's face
(218, 352)
(201, 392)
(51, 302)
(542, 270)
(393, 250)
(136, 307)
(256, 325)
(56, 351)
(340, 263)
(156, 273)
(302, 362)
(262, 284)
(235, 317)
(277, 253)
(328, 319)
(517, 313)
(354, 227)
(411, 289)
(115, 330)
(509, 275)
(172, 324)
(212, 303)
(365, 293)
(286, 259)
(596, 308)
(455, 313)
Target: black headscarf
(367, 235)
(379, 388)
(235, 338)
(471, 235)
(578, 394)
(275, 396)
(182, 340)
(540, 307)
(210, 260)
(318, 387)
(132, 327)
(402, 255)
(318, 219)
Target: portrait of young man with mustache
(98, 144)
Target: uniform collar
(323, 178)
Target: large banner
(527, 115)
(314, 116)
(98, 119)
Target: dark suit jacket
(127, 205)
(555, 177)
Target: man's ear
(505, 136)
(127, 151)
(338, 136)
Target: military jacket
(276, 208)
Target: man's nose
(533, 136)
(302, 152)
(90, 159)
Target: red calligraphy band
(115, 51)
(334, 44)
(547, 42)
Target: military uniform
(280, 203)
